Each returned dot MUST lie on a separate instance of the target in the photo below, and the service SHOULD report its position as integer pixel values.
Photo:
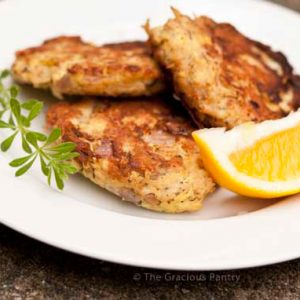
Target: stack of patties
(141, 148)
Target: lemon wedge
(257, 160)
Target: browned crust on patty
(69, 66)
(224, 78)
(140, 150)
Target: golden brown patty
(224, 78)
(69, 66)
(141, 150)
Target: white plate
(230, 232)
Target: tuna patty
(223, 77)
(69, 66)
(141, 150)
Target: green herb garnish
(17, 117)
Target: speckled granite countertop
(33, 270)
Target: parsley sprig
(17, 116)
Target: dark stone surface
(33, 270)
(293, 4)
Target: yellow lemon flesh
(258, 160)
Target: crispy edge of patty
(141, 151)
(69, 66)
(222, 77)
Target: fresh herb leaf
(25, 145)
(35, 111)
(69, 168)
(24, 121)
(11, 121)
(5, 125)
(54, 136)
(31, 139)
(4, 74)
(29, 104)
(49, 177)
(58, 179)
(63, 147)
(45, 168)
(39, 136)
(5, 145)
(2, 102)
(54, 157)
(15, 108)
(25, 168)
(20, 161)
(65, 156)
(14, 91)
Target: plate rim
(61, 237)
(40, 235)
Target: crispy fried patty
(141, 150)
(69, 66)
(222, 77)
